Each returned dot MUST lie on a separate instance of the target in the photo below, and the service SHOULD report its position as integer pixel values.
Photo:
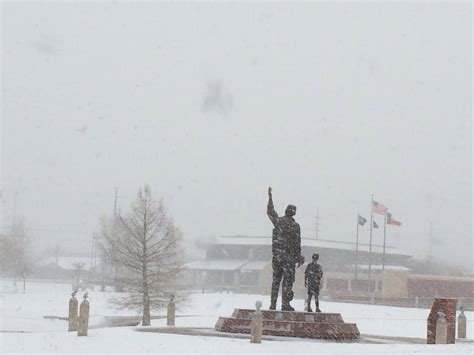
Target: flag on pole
(392, 221)
(362, 220)
(378, 208)
(376, 226)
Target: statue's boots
(309, 309)
(273, 305)
(318, 310)
(287, 307)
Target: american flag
(378, 208)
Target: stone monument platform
(328, 326)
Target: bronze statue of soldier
(286, 253)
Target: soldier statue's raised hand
(286, 253)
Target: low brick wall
(431, 286)
(420, 302)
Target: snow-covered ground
(23, 328)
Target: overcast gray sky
(210, 103)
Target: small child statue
(312, 281)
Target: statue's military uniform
(312, 277)
(286, 250)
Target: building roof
(381, 267)
(227, 264)
(308, 242)
(67, 262)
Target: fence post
(462, 325)
(441, 336)
(83, 317)
(72, 327)
(170, 316)
(257, 324)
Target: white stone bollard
(441, 336)
(170, 316)
(257, 324)
(73, 308)
(462, 325)
(83, 317)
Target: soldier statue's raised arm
(286, 253)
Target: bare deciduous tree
(148, 249)
(107, 245)
(16, 258)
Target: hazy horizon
(211, 103)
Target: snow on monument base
(328, 326)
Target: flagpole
(384, 232)
(370, 240)
(357, 246)
(431, 240)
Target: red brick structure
(448, 307)
(292, 324)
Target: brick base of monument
(292, 324)
(448, 306)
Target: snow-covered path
(127, 340)
(25, 313)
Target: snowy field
(23, 328)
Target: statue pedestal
(329, 326)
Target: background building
(243, 264)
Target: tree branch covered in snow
(147, 249)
